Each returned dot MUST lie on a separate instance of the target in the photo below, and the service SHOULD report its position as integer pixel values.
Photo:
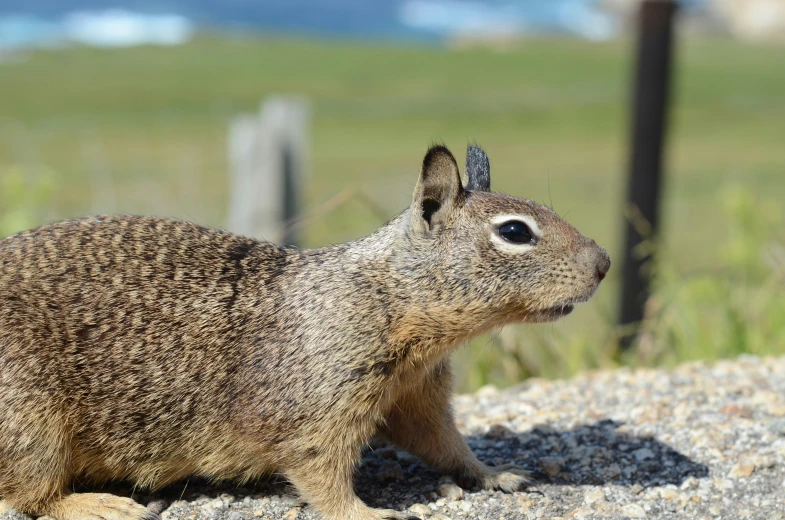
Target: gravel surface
(701, 441)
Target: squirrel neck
(402, 282)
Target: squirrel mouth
(551, 313)
(561, 310)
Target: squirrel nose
(594, 259)
(603, 264)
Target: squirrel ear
(439, 190)
(478, 169)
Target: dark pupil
(517, 232)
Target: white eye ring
(510, 247)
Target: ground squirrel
(149, 350)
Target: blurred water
(580, 17)
(109, 28)
(130, 22)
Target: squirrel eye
(516, 232)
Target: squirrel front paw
(507, 478)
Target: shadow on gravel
(590, 454)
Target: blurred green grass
(552, 115)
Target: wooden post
(268, 161)
(649, 108)
(243, 150)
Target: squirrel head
(492, 257)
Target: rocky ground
(701, 441)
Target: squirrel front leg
(421, 422)
(323, 477)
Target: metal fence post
(649, 120)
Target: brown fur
(149, 350)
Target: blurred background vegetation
(144, 130)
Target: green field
(144, 130)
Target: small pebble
(643, 454)
(390, 470)
(594, 496)
(420, 509)
(633, 511)
(451, 491)
(291, 514)
(551, 465)
(743, 468)
(157, 506)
